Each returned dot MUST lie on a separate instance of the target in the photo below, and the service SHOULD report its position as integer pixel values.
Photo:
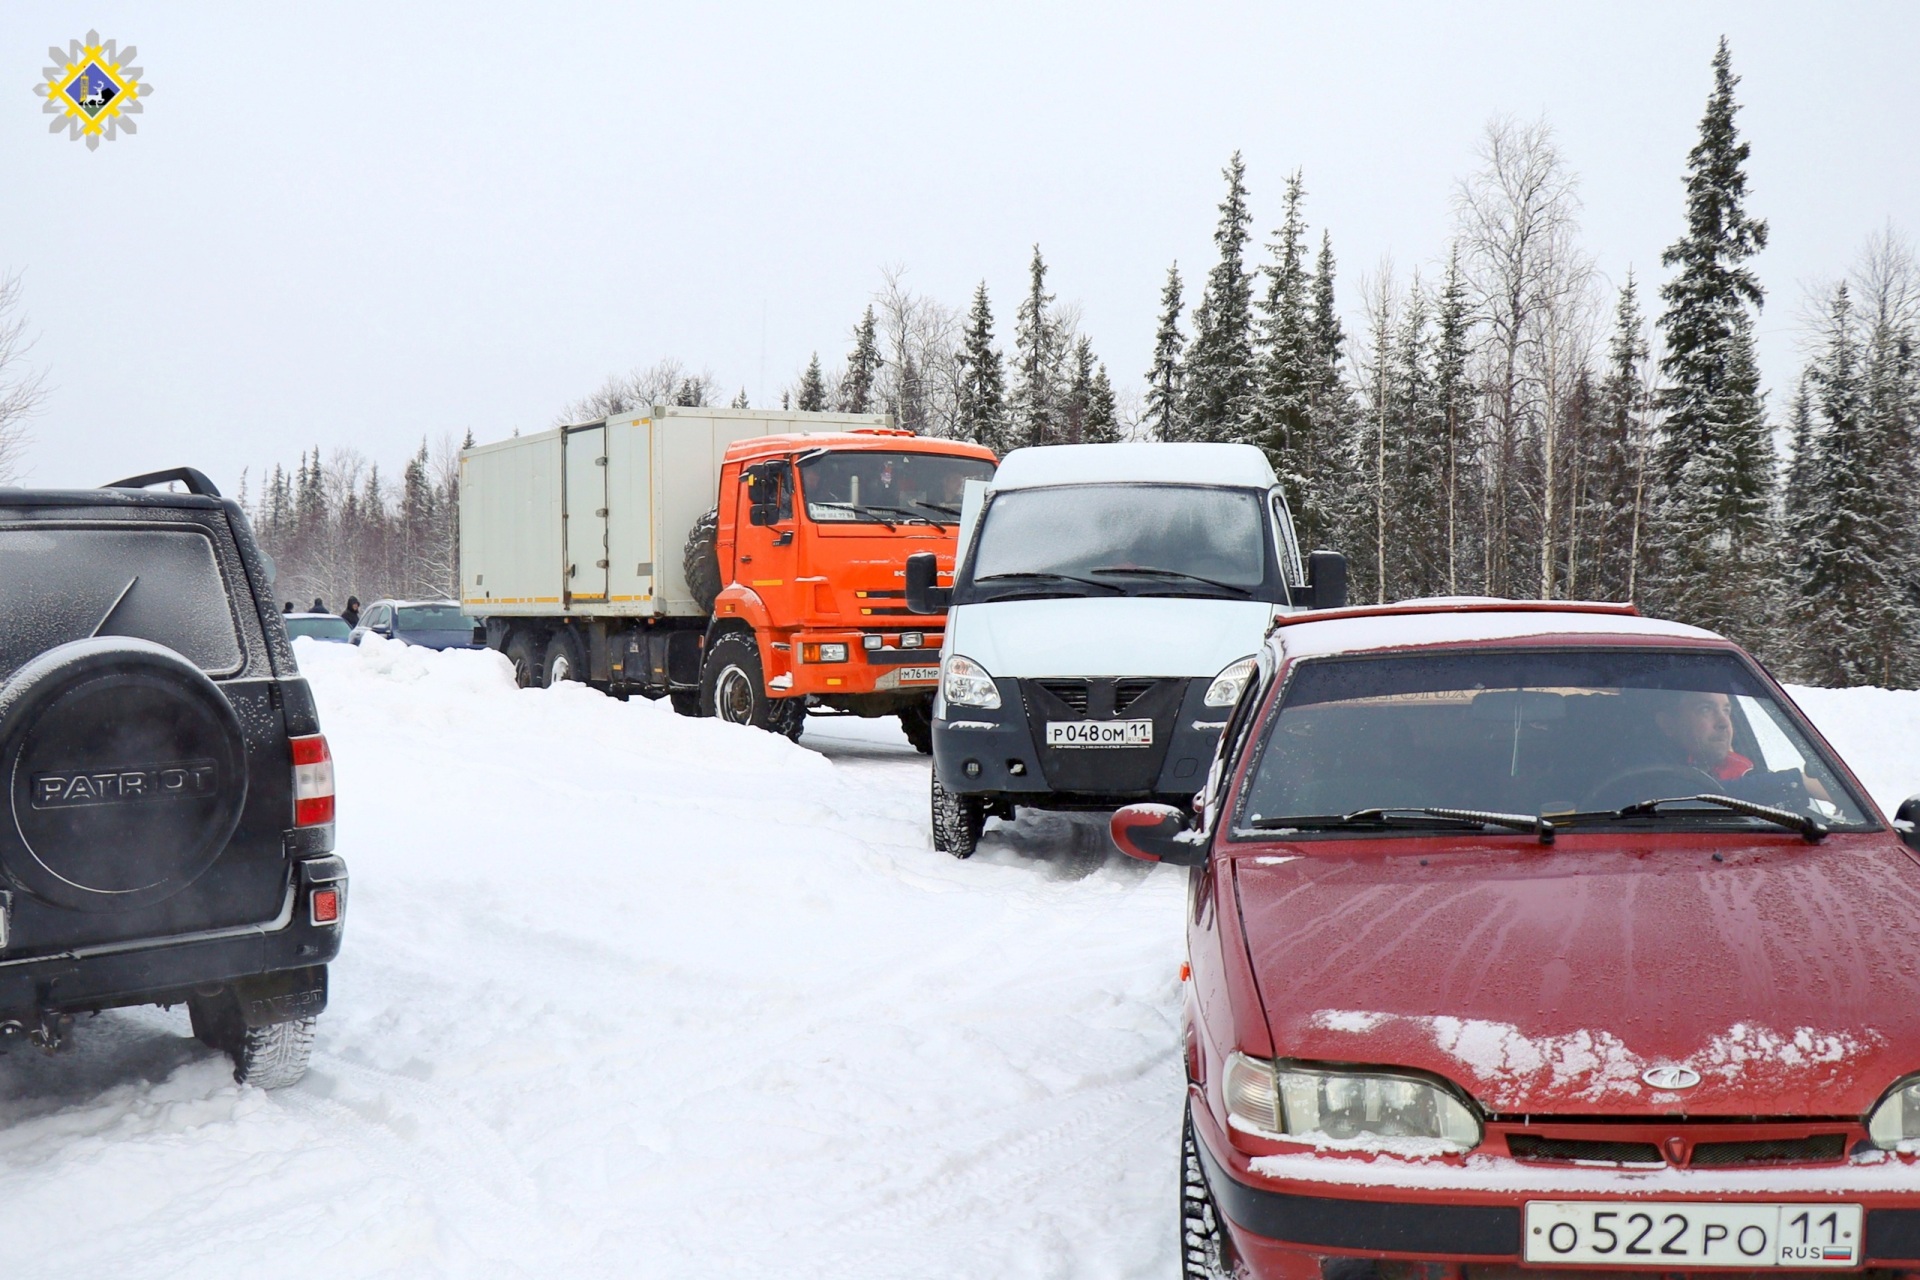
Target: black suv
(166, 830)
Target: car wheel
(917, 723)
(564, 662)
(957, 821)
(269, 1057)
(526, 663)
(1206, 1251)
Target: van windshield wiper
(1173, 573)
(1809, 827)
(1477, 819)
(1042, 576)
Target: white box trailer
(590, 522)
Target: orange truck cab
(807, 540)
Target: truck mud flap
(290, 994)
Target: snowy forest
(1503, 422)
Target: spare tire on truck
(701, 562)
(126, 774)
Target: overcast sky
(358, 223)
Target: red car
(1539, 938)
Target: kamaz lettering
(187, 779)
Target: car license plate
(1641, 1233)
(919, 675)
(1099, 733)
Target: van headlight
(1227, 686)
(1347, 1107)
(1897, 1118)
(965, 683)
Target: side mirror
(924, 594)
(1158, 833)
(1906, 822)
(480, 633)
(1326, 582)
(763, 513)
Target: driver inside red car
(1700, 725)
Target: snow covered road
(626, 994)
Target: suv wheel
(1206, 1251)
(526, 663)
(564, 662)
(269, 1057)
(917, 723)
(957, 821)
(733, 689)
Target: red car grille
(1679, 1147)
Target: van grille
(1071, 692)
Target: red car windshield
(1537, 733)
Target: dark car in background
(329, 627)
(431, 624)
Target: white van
(1106, 606)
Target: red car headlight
(1897, 1119)
(1349, 1109)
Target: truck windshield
(1113, 539)
(886, 488)
(1581, 736)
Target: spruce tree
(1220, 366)
(1331, 500)
(863, 367)
(1417, 499)
(813, 388)
(1035, 406)
(1454, 404)
(740, 401)
(1166, 380)
(1614, 507)
(1713, 464)
(1282, 420)
(981, 412)
(1103, 418)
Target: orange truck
(744, 563)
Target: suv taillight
(312, 781)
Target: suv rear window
(147, 582)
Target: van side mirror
(924, 594)
(1326, 582)
(1906, 822)
(1158, 833)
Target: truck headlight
(1897, 1118)
(966, 683)
(1348, 1107)
(831, 652)
(1227, 686)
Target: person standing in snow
(351, 614)
(319, 605)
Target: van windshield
(874, 487)
(1121, 539)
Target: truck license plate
(1643, 1233)
(1099, 733)
(919, 675)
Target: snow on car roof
(1226, 464)
(1463, 620)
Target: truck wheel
(563, 659)
(685, 702)
(1205, 1250)
(526, 663)
(957, 821)
(269, 1057)
(701, 560)
(733, 689)
(917, 723)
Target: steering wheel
(1650, 782)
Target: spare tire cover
(125, 770)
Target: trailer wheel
(957, 821)
(917, 723)
(701, 560)
(733, 688)
(563, 659)
(526, 663)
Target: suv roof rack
(196, 481)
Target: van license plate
(1687, 1234)
(919, 675)
(1099, 733)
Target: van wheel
(526, 663)
(957, 821)
(563, 659)
(1206, 1251)
(269, 1057)
(917, 723)
(733, 689)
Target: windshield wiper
(1476, 819)
(937, 506)
(1036, 575)
(1810, 828)
(1174, 573)
(902, 512)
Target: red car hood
(1547, 980)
